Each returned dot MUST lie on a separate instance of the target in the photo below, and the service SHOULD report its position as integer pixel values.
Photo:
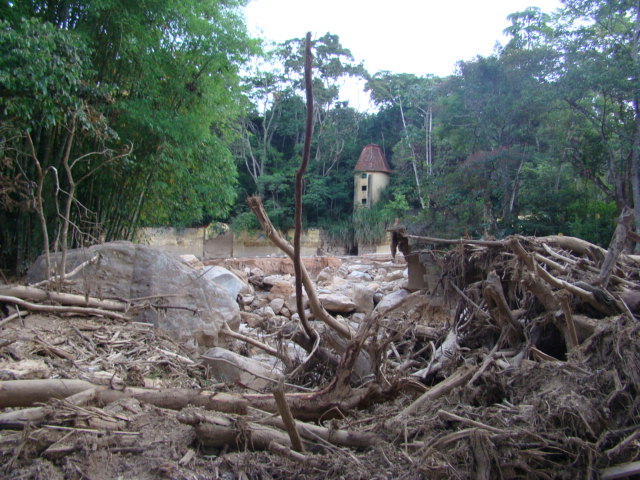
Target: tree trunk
(635, 154)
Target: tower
(371, 177)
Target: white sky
(403, 36)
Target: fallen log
(616, 246)
(70, 299)
(219, 431)
(61, 309)
(500, 311)
(626, 470)
(585, 295)
(573, 244)
(343, 438)
(176, 398)
(326, 403)
(25, 393)
(16, 419)
(306, 406)
(287, 418)
(459, 377)
(228, 429)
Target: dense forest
(118, 114)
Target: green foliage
(594, 220)
(398, 207)
(365, 226)
(161, 75)
(369, 225)
(43, 74)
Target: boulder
(363, 298)
(360, 276)
(391, 300)
(127, 270)
(226, 280)
(233, 368)
(257, 272)
(394, 275)
(337, 303)
(291, 302)
(247, 300)
(281, 289)
(252, 319)
(276, 305)
(326, 275)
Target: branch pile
(534, 376)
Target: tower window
(364, 201)
(364, 188)
(363, 175)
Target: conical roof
(372, 160)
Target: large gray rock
(394, 275)
(363, 298)
(276, 305)
(336, 303)
(292, 303)
(391, 301)
(326, 275)
(358, 275)
(231, 367)
(131, 271)
(226, 280)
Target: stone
(339, 283)
(248, 299)
(336, 303)
(267, 312)
(281, 289)
(291, 302)
(252, 319)
(226, 280)
(128, 270)
(361, 276)
(391, 300)
(233, 368)
(326, 275)
(256, 272)
(394, 275)
(276, 305)
(363, 298)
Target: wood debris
(536, 374)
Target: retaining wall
(205, 242)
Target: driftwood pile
(536, 375)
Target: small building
(372, 173)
